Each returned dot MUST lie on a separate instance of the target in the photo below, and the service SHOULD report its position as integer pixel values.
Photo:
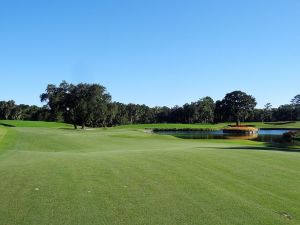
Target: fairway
(52, 174)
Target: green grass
(2, 133)
(20, 123)
(295, 125)
(126, 176)
(212, 126)
(173, 126)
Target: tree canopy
(91, 105)
(238, 105)
(81, 104)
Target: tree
(102, 106)
(296, 100)
(257, 116)
(55, 98)
(6, 109)
(162, 114)
(267, 113)
(206, 110)
(121, 116)
(177, 115)
(190, 113)
(295, 113)
(133, 113)
(16, 113)
(112, 109)
(283, 113)
(238, 105)
(81, 104)
(86, 104)
(2, 110)
(219, 115)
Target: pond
(268, 135)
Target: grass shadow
(266, 147)
(7, 125)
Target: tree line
(91, 105)
(9, 110)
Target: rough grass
(126, 176)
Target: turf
(2, 133)
(20, 123)
(275, 125)
(55, 175)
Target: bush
(290, 135)
(297, 136)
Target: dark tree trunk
(83, 126)
(75, 126)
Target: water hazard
(272, 136)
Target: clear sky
(157, 52)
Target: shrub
(290, 135)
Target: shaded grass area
(125, 176)
(264, 147)
(6, 125)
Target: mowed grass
(275, 125)
(278, 125)
(127, 176)
(2, 133)
(20, 123)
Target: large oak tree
(238, 105)
(80, 104)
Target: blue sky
(157, 52)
